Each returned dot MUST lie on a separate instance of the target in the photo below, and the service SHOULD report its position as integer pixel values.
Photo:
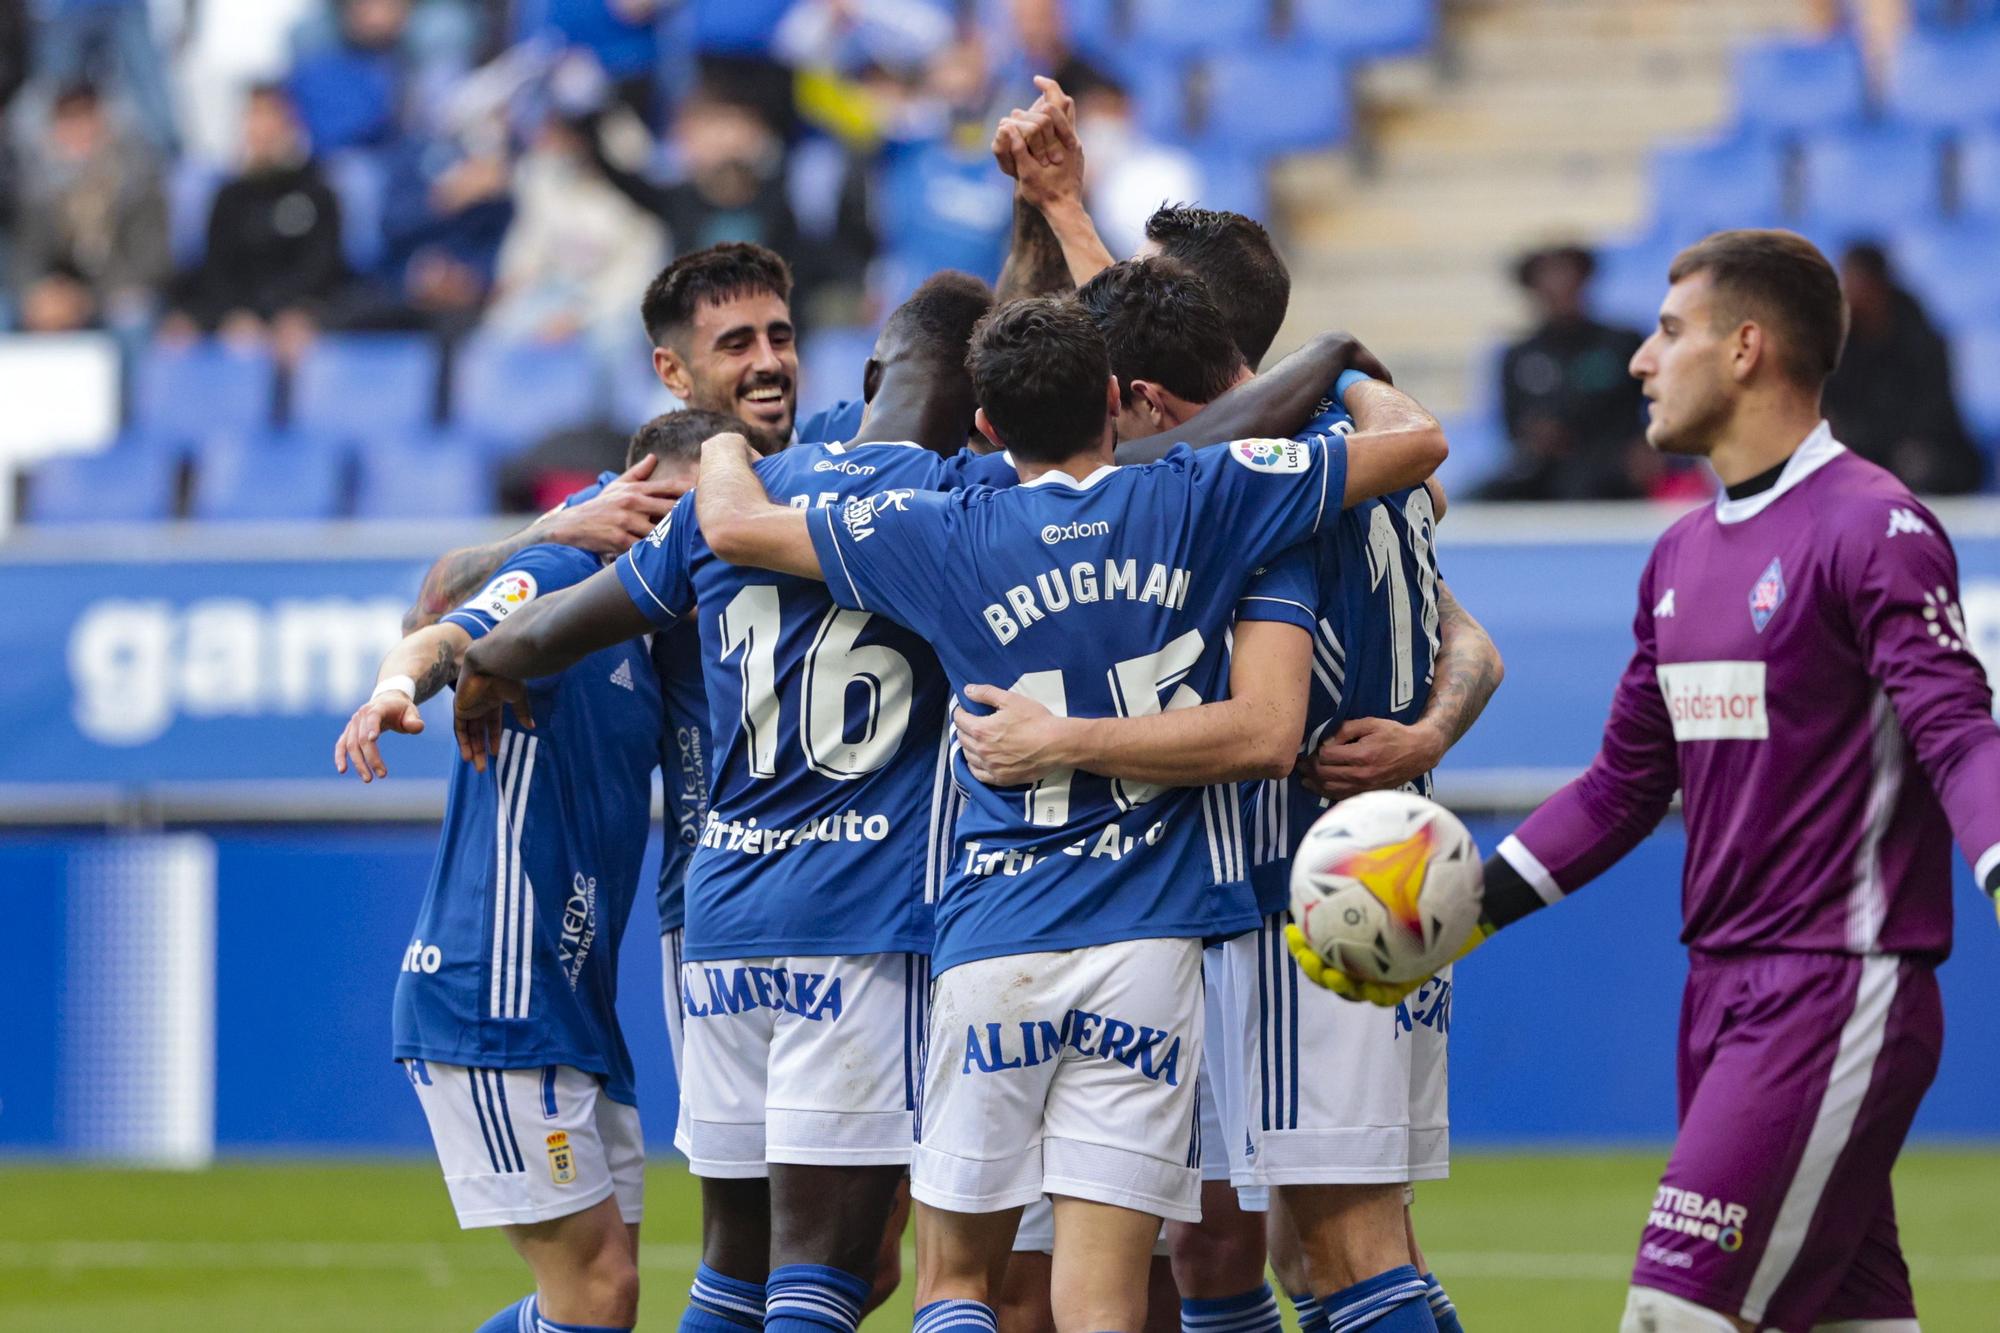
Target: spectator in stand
(622, 34)
(445, 215)
(577, 249)
(1574, 413)
(1127, 174)
(79, 40)
(1891, 399)
(90, 244)
(350, 92)
(273, 252)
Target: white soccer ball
(1387, 886)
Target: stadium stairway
(1529, 123)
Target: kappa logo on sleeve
(507, 594)
(1272, 455)
(1906, 521)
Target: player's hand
(1370, 754)
(1018, 742)
(1385, 994)
(1350, 353)
(476, 711)
(1042, 146)
(619, 515)
(394, 711)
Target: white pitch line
(432, 1259)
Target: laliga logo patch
(562, 1161)
(1768, 595)
(1271, 455)
(508, 594)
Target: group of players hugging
(990, 710)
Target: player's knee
(1651, 1311)
(1212, 1261)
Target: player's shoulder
(553, 560)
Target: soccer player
(1069, 933)
(504, 1015)
(721, 325)
(1802, 676)
(1338, 1107)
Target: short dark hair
(938, 318)
(1038, 368)
(1233, 254)
(719, 273)
(677, 436)
(1160, 323)
(1782, 281)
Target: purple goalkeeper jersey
(1803, 676)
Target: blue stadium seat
(1952, 269)
(1243, 114)
(191, 186)
(132, 482)
(1704, 187)
(1479, 451)
(365, 384)
(1945, 13)
(1631, 281)
(1789, 84)
(637, 396)
(1366, 28)
(359, 180)
(737, 27)
(1867, 182)
(511, 393)
(1236, 182)
(1974, 353)
(430, 477)
(1947, 78)
(208, 387)
(1190, 26)
(271, 477)
(1979, 173)
(1158, 86)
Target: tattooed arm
(415, 669)
(1035, 264)
(1373, 753)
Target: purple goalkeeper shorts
(1799, 1076)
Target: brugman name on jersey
(1080, 585)
(138, 667)
(746, 836)
(714, 991)
(992, 1047)
(1110, 842)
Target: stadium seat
(1974, 353)
(132, 482)
(272, 477)
(637, 396)
(191, 186)
(1479, 451)
(431, 477)
(197, 390)
(364, 384)
(1979, 174)
(1867, 182)
(1364, 29)
(1947, 78)
(1242, 115)
(1631, 280)
(512, 392)
(1952, 269)
(1946, 13)
(736, 27)
(1704, 187)
(1787, 84)
(1190, 26)
(1235, 182)
(359, 180)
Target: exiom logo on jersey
(993, 1047)
(1064, 532)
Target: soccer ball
(1387, 886)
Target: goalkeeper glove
(1387, 994)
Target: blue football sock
(1442, 1309)
(719, 1304)
(544, 1324)
(955, 1317)
(1391, 1302)
(1250, 1312)
(516, 1318)
(812, 1298)
(1312, 1319)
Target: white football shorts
(529, 1145)
(1333, 1092)
(1070, 1073)
(811, 1061)
(1226, 1145)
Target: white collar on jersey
(870, 444)
(1063, 478)
(1819, 449)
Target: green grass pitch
(1523, 1241)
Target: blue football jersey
(1106, 597)
(832, 425)
(514, 961)
(676, 658)
(826, 793)
(1365, 589)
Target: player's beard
(1700, 421)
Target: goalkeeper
(1802, 675)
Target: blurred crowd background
(398, 244)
